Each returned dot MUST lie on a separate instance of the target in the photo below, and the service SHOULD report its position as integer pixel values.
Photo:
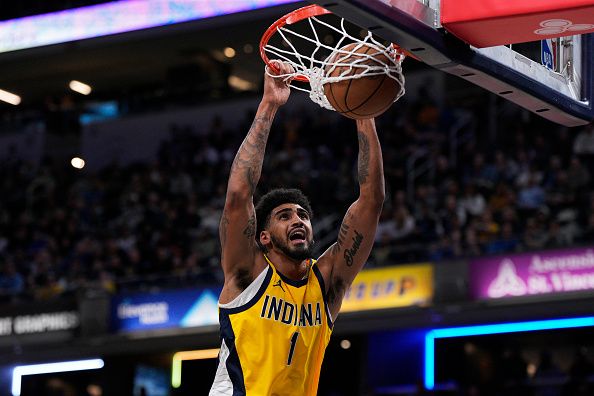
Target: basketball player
(278, 305)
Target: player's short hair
(277, 197)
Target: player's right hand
(276, 89)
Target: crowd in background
(526, 187)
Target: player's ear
(264, 238)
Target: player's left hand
(276, 89)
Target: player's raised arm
(343, 260)
(238, 221)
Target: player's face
(291, 232)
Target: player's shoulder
(323, 265)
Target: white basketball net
(318, 71)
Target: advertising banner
(168, 309)
(390, 287)
(37, 323)
(558, 271)
(30, 320)
(498, 22)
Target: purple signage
(528, 274)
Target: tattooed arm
(238, 222)
(343, 260)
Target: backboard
(560, 90)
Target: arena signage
(172, 309)
(114, 17)
(390, 287)
(558, 271)
(38, 323)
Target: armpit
(336, 290)
(243, 278)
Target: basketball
(363, 97)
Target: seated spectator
(578, 176)
(583, 145)
(11, 281)
(546, 372)
(473, 201)
(451, 216)
(587, 235)
(502, 197)
(400, 225)
(536, 235)
(472, 247)
(506, 242)
(532, 196)
(513, 372)
(426, 224)
(560, 193)
(449, 246)
(486, 227)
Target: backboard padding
(414, 25)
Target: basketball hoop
(314, 61)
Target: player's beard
(300, 253)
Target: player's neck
(292, 269)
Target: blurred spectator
(513, 373)
(583, 145)
(535, 235)
(580, 373)
(507, 241)
(11, 282)
(486, 227)
(472, 201)
(398, 226)
(547, 376)
(452, 216)
(531, 195)
(578, 175)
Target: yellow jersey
(274, 335)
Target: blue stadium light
(47, 368)
(500, 328)
(114, 17)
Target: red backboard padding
(489, 23)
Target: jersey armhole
(250, 295)
(322, 284)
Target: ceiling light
(77, 163)
(9, 97)
(229, 52)
(80, 87)
(241, 84)
(345, 344)
(248, 48)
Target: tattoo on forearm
(349, 254)
(250, 230)
(249, 157)
(342, 233)
(363, 162)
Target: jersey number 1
(292, 348)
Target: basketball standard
(564, 96)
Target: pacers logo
(558, 26)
